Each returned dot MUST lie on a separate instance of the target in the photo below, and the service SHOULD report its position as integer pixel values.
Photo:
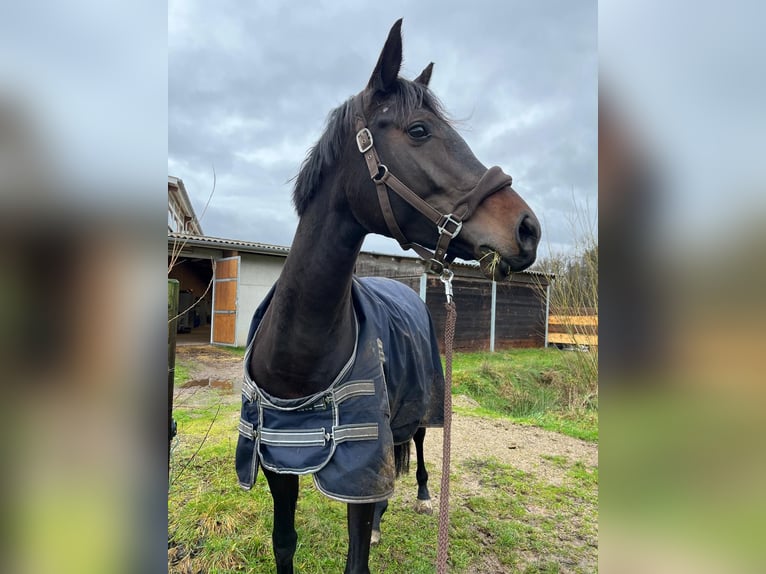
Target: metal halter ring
(382, 174)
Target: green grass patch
(235, 351)
(534, 386)
(578, 424)
(529, 525)
(181, 373)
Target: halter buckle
(364, 140)
(444, 221)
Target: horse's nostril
(528, 232)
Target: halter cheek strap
(447, 225)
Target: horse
(323, 347)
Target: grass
(181, 373)
(530, 525)
(490, 265)
(502, 519)
(532, 386)
(235, 351)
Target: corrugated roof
(232, 244)
(475, 265)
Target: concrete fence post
(492, 318)
(173, 288)
(547, 309)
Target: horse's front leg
(284, 538)
(423, 504)
(359, 530)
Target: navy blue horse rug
(392, 384)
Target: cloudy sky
(251, 84)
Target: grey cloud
(250, 86)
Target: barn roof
(229, 244)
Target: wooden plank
(474, 301)
(574, 310)
(558, 330)
(225, 296)
(226, 269)
(573, 320)
(223, 328)
(520, 316)
(573, 339)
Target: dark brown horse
(389, 163)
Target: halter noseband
(448, 225)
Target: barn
(224, 280)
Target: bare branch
(188, 462)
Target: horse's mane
(405, 98)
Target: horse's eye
(417, 131)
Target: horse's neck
(308, 332)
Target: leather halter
(449, 224)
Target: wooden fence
(510, 314)
(573, 329)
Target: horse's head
(422, 184)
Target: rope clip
(446, 278)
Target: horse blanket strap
(345, 435)
(449, 224)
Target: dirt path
(526, 448)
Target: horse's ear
(425, 75)
(389, 62)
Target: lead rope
(449, 337)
